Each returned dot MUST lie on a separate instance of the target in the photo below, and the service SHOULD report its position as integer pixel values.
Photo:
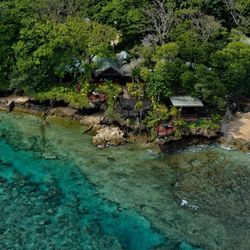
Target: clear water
(57, 191)
(51, 204)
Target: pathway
(125, 94)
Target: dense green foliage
(112, 91)
(75, 99)
(189, 47)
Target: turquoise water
(57, 191)
(52, 204)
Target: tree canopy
(197, 47)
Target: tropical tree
(209, 87)
(45, 49)
(158, 22)
(11, 16)
(125, 15)
(233, 66)
(164, 78)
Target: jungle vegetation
(185, 47)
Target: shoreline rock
(109, 136)
(188, 137)
(92, 121)
(209, 133)
(174, 144)
(63, 112)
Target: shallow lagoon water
(41, 199)
(66, 194)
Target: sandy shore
(238, 127)
(236, 131)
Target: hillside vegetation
(190, 47)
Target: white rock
(109, 136)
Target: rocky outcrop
(109, 136)
(188, 137)
(92, 121)
(21, 100)
(88, 120)
(9, 102)
(206, 132)
(7, 105)
(63, 112)
(172, 144)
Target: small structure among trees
(188, 109)
(118, 69)
(190, 106)
(107, 70)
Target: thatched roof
(106, 65)
(121, 65)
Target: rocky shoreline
(107, 134)
(174, 144)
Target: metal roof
(186, 101)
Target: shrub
(75, 99)
(139, 105)
(204, 124)
(112, 91)
(136, 90)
